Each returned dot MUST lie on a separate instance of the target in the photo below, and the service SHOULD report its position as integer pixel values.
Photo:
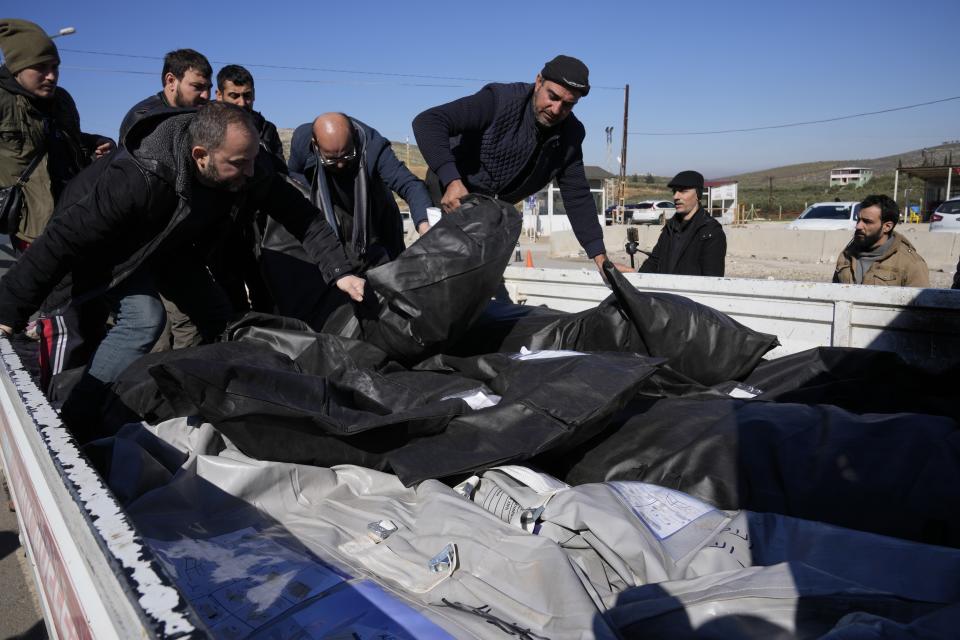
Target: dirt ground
(784, 270)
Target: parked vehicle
(828, 216)
(646, 212)
(651, 211)
(946, 217)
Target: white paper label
(476, 398)
(539, 482)
(546, 354)
(745, 392)
(664, 510)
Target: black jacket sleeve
(287, 205)
(714, 254)
(434, 127)
(401, 180)
(83, 229)
(90, 142)
(270, 138)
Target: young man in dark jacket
(137, 224)
(186, 83)
(38, 118)
(692, 243)
(510, 140)
(235, 85)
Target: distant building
(850, 175)
(552, 216)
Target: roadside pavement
(20, 615)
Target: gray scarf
(864, 260)
(320, 197)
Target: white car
(651, 211)
(828, 216)
(946, 217)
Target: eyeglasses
(344, 159)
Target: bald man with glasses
(351, 171)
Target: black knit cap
(569, 72)
(686, 180)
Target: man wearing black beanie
(510, 141)
(42, 140)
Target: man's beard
(866, 242)
(211, 177)
(180, 101)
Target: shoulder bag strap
(36, 160)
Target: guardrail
(922, 325)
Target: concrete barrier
(940, 250)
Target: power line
(268, 79)
(791, 124)
(320, 69)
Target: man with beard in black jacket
(692, 242)
(186, 84)
(137, 224)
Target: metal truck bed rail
(95, 577)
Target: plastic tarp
(262, 547)
(858, 380)
(895, 474)
(447, 416)
(329, 446)
(699, 342)
(422, 301)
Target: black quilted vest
(490, 161)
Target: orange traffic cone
(529, 258)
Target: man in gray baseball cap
(692, 242)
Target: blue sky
(692, 66)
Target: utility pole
(408, 151)
(608, 132)
(620, 217)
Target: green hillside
(819, 172)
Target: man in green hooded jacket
(38, 117)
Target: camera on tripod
(633, 244)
